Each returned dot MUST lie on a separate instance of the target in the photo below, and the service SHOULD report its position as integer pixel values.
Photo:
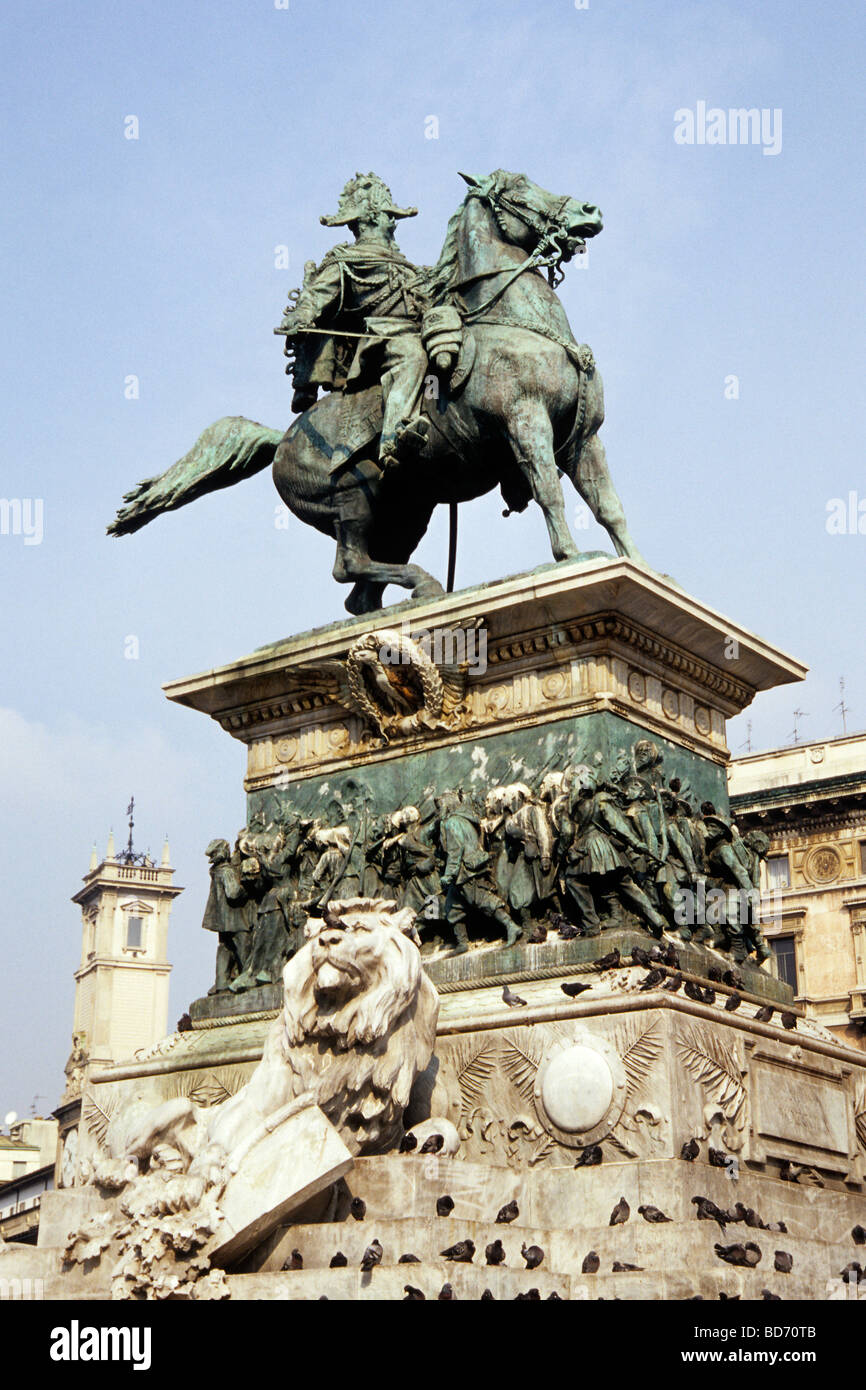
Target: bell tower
(121, 985)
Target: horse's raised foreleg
(592, 479)
(369, 577)
(531, 436)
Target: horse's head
(526, 214)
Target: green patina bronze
(440, 383)
(569, 830)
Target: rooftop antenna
(798, 715)
(129, 810)
(33, 1103)
(842, 707)
(748, 740)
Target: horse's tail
(227, 452)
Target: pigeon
(532, 1254)
(537, 934)
(714, 974)
(358, 1208)
(670, 956)
(532, 1296)
(764, 1014)
(573, 988)
(509, 1212)
(408, 1260)
(708, 1211)
(733, 1002)
(620, 1213)
(566, 930)
(708, 995)
(690, 1150)
(783, 1262)
(729, 1297)
(640, 957)
(445, 1294)
(673, 984)
(654, 978)
(296, 1261)
(553, 1297)
(694, 992)
(461, 1253)
(494, 1253)
(591, 1263)
(738, 1212)
(339, 1261)
(513, 1001)
(590, 1156)
(770, 1297)
(718, 1158)
(444, 1205)
(408, 1143)
(789, 1020)
(487, 1297)
(432, 1145)
(413, 1295)
(619, 1267)
(746, 1256)
(858, 1235)
(777, 1226)
(653, 1215)
(372, 1256)
(734, 979)
(852, 1273)
(609, 962)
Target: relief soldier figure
(598, 863)
(227, 912)
(466, 877)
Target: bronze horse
(529, 408)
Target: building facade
(810, 800)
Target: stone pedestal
(565, 1101)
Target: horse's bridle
(549, 251)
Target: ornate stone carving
(358, 1024)
(580, 1089)
(394, 685)
(75, 1067)
(823, 864)
(713, 1063)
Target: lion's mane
(358, 1051)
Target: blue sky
(155, 257)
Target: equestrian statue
(421, 385)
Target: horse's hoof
(429, 589)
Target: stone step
(426, 1238)
(583, 1198)
(675, 1248)
(389, 1281)
(468, 1282)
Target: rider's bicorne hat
(363, 194)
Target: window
(134, 933)
(785, 960)
(19, 1168)
(778, 871)
(863, 858)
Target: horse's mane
(436, 280)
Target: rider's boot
(406, 444)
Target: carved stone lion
(358, 1024)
